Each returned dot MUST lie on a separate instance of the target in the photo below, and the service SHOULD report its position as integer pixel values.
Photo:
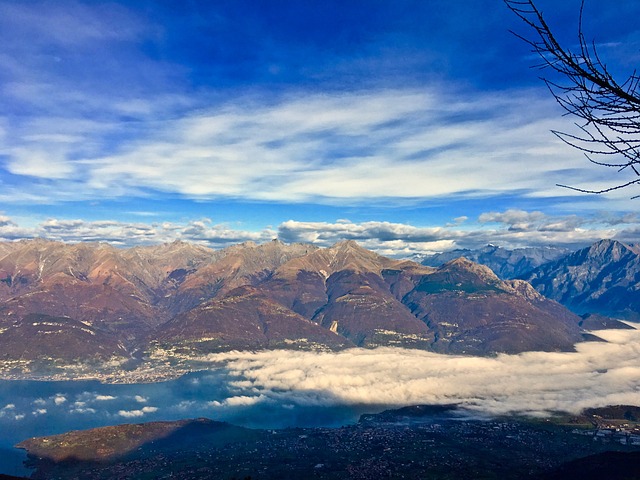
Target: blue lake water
(36, 408)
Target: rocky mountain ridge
(603, 278)
(506, 263)
(191, 300)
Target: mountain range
(504, 262)
(602, 279)
(64, 302)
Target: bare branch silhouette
(608, 110)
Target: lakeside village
(614, 431)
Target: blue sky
(410, 126)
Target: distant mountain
(63, 302)
(603, 278)
(504, 262)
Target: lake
(36, 408)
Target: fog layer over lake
(274, 389)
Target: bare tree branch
(609, 111)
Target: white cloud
(59, 399)
(522, 221)
(384, 237)
(512, 228)
(39, 411)
(42, 164)
(137, 413)
(141, 399)
(83, 410)
(8, 410)
(597, 374)
(102, 398)
(186, 405)
(511, 217)
(205, 231)
(131, 413)
(80, 406)
(239, 401)
(202, 231)
(6, 221)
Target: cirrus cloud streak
(350, 147)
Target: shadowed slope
(116, 442)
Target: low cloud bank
(274, 389)
(510, 228)
(597, 374)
